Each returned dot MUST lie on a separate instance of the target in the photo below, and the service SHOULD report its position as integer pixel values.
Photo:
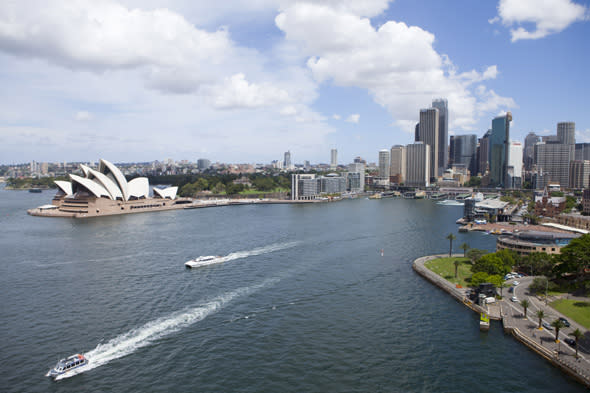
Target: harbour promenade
(525, 330)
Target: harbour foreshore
(525, 330)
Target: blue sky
(244, 81)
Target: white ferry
(204, 261)
(64, 365)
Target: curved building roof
(108, 168)
(93, 187)
(65, 186)
(106, 182)
(138, 187)
(169, 192)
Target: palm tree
(557, 324)
(451, 237)
(577, 334)
(457, 263)
(540, 315)
(464, 247)
(525, 304)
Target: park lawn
(574, 309)
(445, 268)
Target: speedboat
(66, 365)
(203, 261)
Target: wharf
(202, 203)
(523, 329)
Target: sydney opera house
(105, 192)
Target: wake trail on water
(137, 338)
(248, 253)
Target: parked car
(547, 326)
(511, 289)
(565, 322)
(570, 341)
(514, 299)
(515, 283)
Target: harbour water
(305, 303)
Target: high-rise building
(552, 161)
(529, 150)
(304, 186)
(566, 133)
(515, 165)
(397, 170)
(417, 132)
(287, 160)
(355, 178)
(384, 164)
(464, 149)
(333, 158)
(429, 127)
(582, 151)
(484, 153)
(499, 146)
(203, 163)
(579, 176)
(443, 133)
(418, 164)
(359, 160)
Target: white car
(515, 283)
(514, 299)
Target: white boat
(66, 365)
(204, 261)
(450, 202)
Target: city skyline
(243, 82)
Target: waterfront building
(384, 164)
(515, 165)
(397, 171)
(463, 151)
(356, 171)
(418, 165)
(579, 174)
(304, 186)
(429, 128)
(529, 150)
(333, 159)
(332, 183)
(499, 150)
(443, 134)
(548, 206)
(527, 242)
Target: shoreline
(576, 369)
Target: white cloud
(354, 118)
(583, 136)
(84, 116)
(237, 92)
(336, 116)
(548, 16)
(396, 63)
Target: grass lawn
(445, 268)
(574, 309)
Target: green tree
(479, 278)
(201, 184)
(219, 188)
(575, 258)
(474, 254)
(539, 284)
(540, 315)
(464, 247)
(188, 190)
(577, 334)
(557, 324)
(537, 263)
(525, 304)
(451, 237)
(264, 184)
(474, 181)
(233, 189)
(490, 264)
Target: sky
(244, 81)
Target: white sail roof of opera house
(109, 182)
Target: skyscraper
(499, 150)
(464, 148)
(443, 134)
(355, 177)
(529, 150)
(418, 164)
(398, 164)
(515, 165)
(566, 132)
(579, 176)
(287, 160)
(484, 153)
(429, 119)
(384, 164)
(333, 158)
